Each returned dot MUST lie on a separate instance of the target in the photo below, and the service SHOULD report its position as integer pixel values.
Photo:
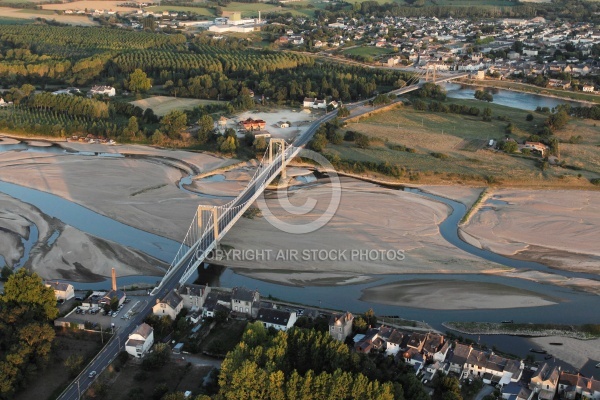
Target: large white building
(278, 319)
(140, 340)
(62, 291)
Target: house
(170, 305)
(310, 102)
(193, 296)
(433, 343)
(113, 294)
(416, 341)
(278, 319)
(392, 344)
(253, 124)
(222, 122)
(514, 391)
(545, 382)
(245, 301)
(370, 341)
(340, 325)
(571, 386)
(536, 146)
(140, 340)
(62, 291)
(216, 301)
(283, 124)
(102, 91)
(587, 88)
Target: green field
(463, 142)
(368, 51)
(31, 11)
(13, 21)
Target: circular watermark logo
(312, 218)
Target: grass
(228, 334)
(31, 11)
(176, 376)
(13, 21)
(463, 140)
(161, 105)
(368, 51)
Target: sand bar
(454, 295)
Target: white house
(140, 340)
(278, 319)
(392, 344)
(103, 90)
(310, 102)
(62, 291)
(545, 382)
(170, 305)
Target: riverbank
(581, 332)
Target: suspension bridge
(211, 223)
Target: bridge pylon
(282, 144)
(434, 73)
(215, 219)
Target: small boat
(548, 356)
(598, 365)
(508, 321)
(556, 343)
(538, 351)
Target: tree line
(308, 364)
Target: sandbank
(557, 228)
(573, 351)
(454, 295)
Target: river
(509, 98)
(575, 307)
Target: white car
(92, 375)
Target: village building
(340, 325)
(545, 382)
(245, 301)
(102, 91)
(278, 319)
(193, 296)
(62, 291)
(140, 341)
(253, 124)
(310, 102)
(170, 305)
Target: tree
(343, 112)
(362, 141)
(487, 114)
(529, 117)
(132, 128)
(114, 303)
(173, 123)
(138, 81)
(228, 145)
(205, 126)
(73, 364)
(28, 290)
(260, 144)
(5, 273)
(510, 146)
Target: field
(12, 13)
(196, 10)
(367, 51)
(90, 5)
(161, 105)
(132, 382)
(462, 142)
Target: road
(485, 390)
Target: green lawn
(367, 51)
(463, 142)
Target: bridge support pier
(281, 143)
(215, 217)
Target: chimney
(114, 280)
